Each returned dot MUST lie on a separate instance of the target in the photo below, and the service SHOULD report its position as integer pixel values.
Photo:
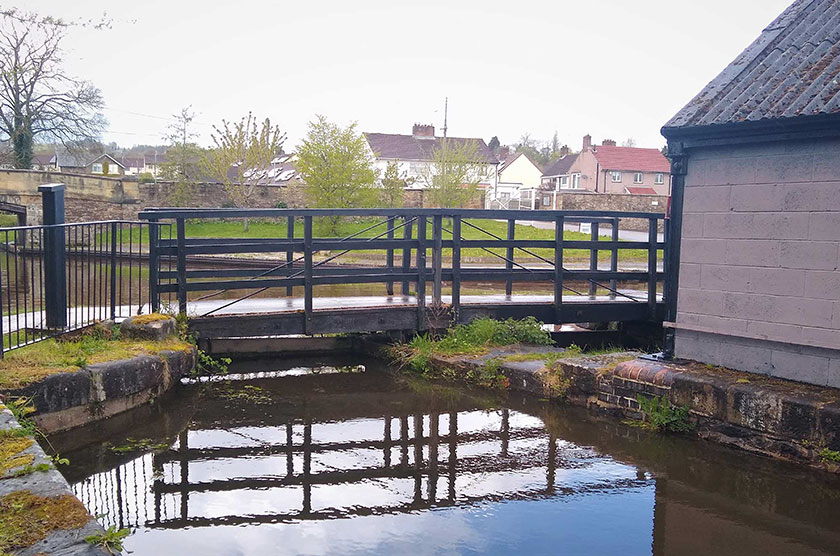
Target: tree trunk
(22, 144)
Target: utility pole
(445, 114)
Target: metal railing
(59, 278)
(425, 233)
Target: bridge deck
(283, 316)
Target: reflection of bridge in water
(416, 463)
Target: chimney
(504, 152)
(421, 131)
(608, 143)
(587, 142)
(565, 150)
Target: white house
(414, 154)
(517, 173)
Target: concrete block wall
(760, 260)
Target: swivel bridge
(328, 271)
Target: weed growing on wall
(660, 415)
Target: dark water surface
(324, 462)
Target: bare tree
(242, 157)
(629, 142)
(38, 100)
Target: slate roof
(790, 70)
(406, 147)
(561, 166)
(631, 158)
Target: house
(45, 162)
(608, 168)
(414, 154)
(756, 206)
(105, 165)
(517, 173)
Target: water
(492, 474)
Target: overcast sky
(611, 68)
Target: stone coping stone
(66, 400)
(139, 327)
(49, 483)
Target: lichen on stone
(26, 518)
(11, 456)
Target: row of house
(99, 164)
(604, 168)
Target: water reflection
(358, 463)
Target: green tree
(183, 157)
(241, 157)
(392, 193)
(453, 175)
(337, 167)
(38, 98)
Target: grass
(277, 229)
(34, 362)
(474, 338)
(110, 540)
(659, 415)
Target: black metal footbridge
(435, 267)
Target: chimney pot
(608, 143)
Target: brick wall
(760, 260)
(619, 202)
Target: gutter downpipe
(679, 163)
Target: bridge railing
(424, 249)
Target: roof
(561, 166)
(407, 147)
(43, 159)
(108, 156)
(72, 160)
(641, 190)
(132, 161)
(511, 158)
(791, 70)
(631, 158)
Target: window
(96, 168)
(546, 200)
(616, 177)
(638, 177)
(575, 181)
(660, 179)
(564, 181)
(504, 196)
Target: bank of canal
(327, 456)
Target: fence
(59, 278)
(439, 234)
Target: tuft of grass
(829, 456)
(660, 415)
(474, 338)
(110, 540)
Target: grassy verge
(34, 362)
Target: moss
(10, 453)
(555, 382)
(247, 393)
(35, 362)
(28, 518)
(152, 317)
(134, 445)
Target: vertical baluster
(593, 258)
(182, 266)
(421, 273)
(614, 257)
(437, 260)
(558, 269)
(511, 233)
(456, 267)
(113, 270)
(406, 254)
(307, 274)
(389, 257)
(290, 252)
(652, 237)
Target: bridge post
(456, 267)
(421, 272)
(290, 252)
(593, 257)
(558, 269)
(614, 257)
(389, 256)
(511, 231)
(154, 265)
(307, 274)
(406, 255)
(652, 255)
(182, 266)
(437, 260)
(55, 273)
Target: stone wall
(760, 260)
(616, 202)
